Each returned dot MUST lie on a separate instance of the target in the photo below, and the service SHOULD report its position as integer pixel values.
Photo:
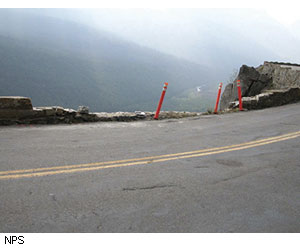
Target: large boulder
(254, 81)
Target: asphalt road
(235, 172)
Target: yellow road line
(144, 158)
(226, 150)
(253, 144)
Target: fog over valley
(118, 59)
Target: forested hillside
(58, 62)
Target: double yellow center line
(27, 173)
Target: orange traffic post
(218, 98)
(240, 94)
(161, 100)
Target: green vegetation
(192, 102)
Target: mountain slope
(57, 62)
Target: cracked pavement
(251, 190)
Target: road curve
(235, 172)
(28, 173)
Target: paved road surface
(222, 173)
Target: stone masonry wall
(19, 110)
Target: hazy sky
(286, 12)
(285, 15)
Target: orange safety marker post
(161, 100)
(218, 98)
(240, 94)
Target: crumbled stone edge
(59, 115)
(267, 99)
